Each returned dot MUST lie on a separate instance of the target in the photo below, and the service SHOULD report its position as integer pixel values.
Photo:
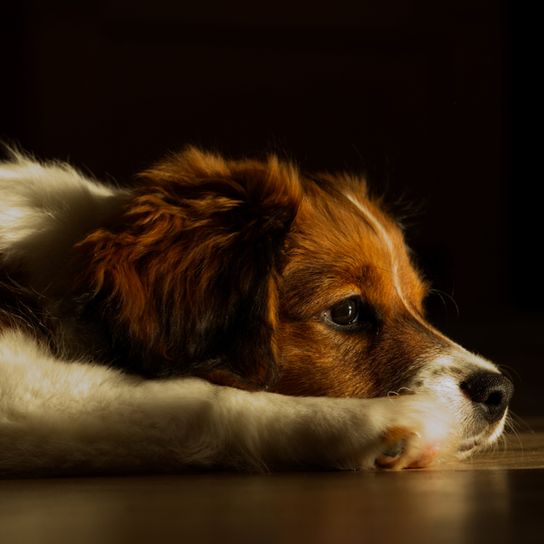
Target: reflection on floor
(497, 497)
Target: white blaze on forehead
(387, 241)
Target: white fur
(67, 416)
(44, 210)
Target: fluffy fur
(200, 319)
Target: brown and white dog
(234, 314)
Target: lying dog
(234, 314)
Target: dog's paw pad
(426, 456)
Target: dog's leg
(62, 417)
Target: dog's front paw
(415, 432)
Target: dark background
(419, 96)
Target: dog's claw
(390, 457)
(386, 460)
(396, 452)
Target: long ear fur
(185, 280)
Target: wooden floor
(495, 498)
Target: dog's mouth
(479, 441)
(470, 445)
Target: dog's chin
(481, 440)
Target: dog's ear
(186, 279)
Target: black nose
(491, 391)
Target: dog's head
(251, 274)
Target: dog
(225, 314)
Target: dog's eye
(350, 314)
(345, 312)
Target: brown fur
(333, 253)
(223, 269)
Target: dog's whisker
(446, 296)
